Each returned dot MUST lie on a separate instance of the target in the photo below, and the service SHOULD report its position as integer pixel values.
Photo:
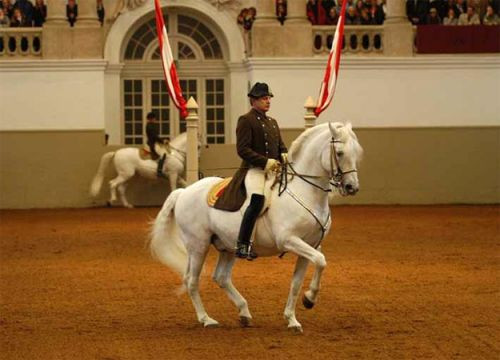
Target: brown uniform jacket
(258, 139)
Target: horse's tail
(95, 187)
(165, 245)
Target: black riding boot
(243, 249)
(159, 171)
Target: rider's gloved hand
(271, 165)
(284, 157)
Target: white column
(192, 121)
(265, 11)
(56, 13)
(87, 13)
(296, 11)
(396, 11)
(309, 117)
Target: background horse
(296, 221)
(128, 162)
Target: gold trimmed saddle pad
(144, 153)
(217, 190)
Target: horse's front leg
(297, 280)
(311, 295)
(306, 252)
(172, 177)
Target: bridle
(336, 173)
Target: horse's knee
(320, 261)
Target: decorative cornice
(52, 65)
(225, 4)
(380, 62)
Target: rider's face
(263, 103)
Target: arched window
(200, 61)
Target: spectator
(461, 7)
(365, 18)
(39, 13)
(332, 17)
(490, 18)
(470, 18)
(441, 6)
(433, 17)
(327, 5)
(18, 19)
(351, 18)
(376, 12)
(359, 7)
(417, 10)
(100, 11)
(312, 11)
(451, 19)
(72, 12)
(26, 8)
(4, 19)
(6, 5)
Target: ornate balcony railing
(358, 39)
(16, 43)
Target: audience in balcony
(469, 18)
(365, 12)
(39, 13)
(100, 11)
(451, 12)
(490, 18)
(451, 19)
(18, 19)
(72, 12)
(4, 19)
(26, 8)
(6, 6)
(433, 17)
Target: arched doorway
(201, 58)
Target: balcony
(362, 40)
(16, 43)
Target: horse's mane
(179, 140)
(297, 144)
(346, 135)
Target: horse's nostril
(348, 187)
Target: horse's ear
(333, 130)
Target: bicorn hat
(260, 90)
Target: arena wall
(43, 169)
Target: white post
(192, 141)
(309, 117)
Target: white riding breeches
(160, 149)
(254, 181)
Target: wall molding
(379, 63)
(53, 65)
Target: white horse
(128, 162)
(295, 222)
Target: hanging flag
(167, 60)
(332, 67)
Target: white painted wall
(52, 95)
(423, 91)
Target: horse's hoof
(210, 323)
(245, 321)
(296, 329)
(108, 203)
(308, 304)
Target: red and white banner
(167, 60)
(332, 67)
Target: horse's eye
(340, 153)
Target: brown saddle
(145, 153)
(217, 190)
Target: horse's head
(341, 157)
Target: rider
(259, 144)
(155, 143)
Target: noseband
(337, 176)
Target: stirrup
(244, 251)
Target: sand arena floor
(401, 283)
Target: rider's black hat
(260, 90)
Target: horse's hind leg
(114, 184)
(121, 190)
(192, 278)
(222, 276)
